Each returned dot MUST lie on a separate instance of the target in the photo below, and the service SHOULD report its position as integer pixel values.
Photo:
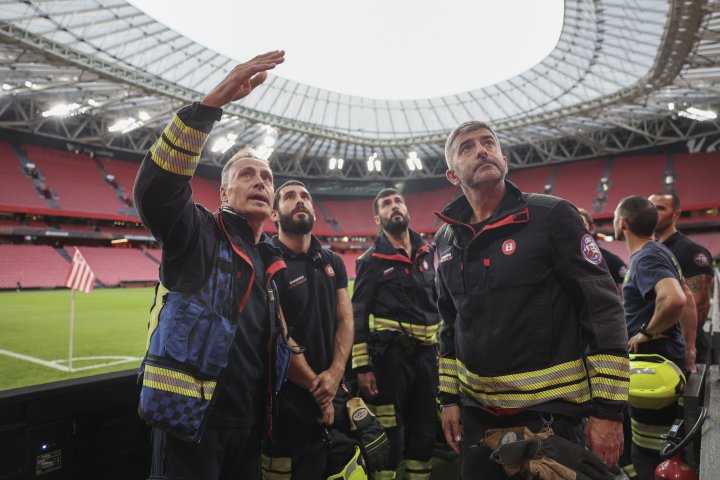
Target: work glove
(370, 435)
(543, 455)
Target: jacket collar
(315, 246)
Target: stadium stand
(116, 266)
(697, 179)
(349, 259)
(64, 172)
(578, 182)
(354, 217)
(532, 179)
(17, 192)
(709, 240)
(634, 175)
(36, 266)
(423, 205)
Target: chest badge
(590, 250)
(329, 271)
(508, 247)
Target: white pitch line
(57, 364)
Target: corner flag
(80, 277)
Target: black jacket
(398, 291)
(532, 318)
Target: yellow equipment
(655, 381)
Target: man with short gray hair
(534, 330)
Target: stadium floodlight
(671, 106)
(31, 85)
(62, 110)
(373, 163)
(143, 116)
(332, 163)
(223, 144)
(698, 114)
(125, 125)
(6, 86)
(93, 103)
(340, 163)
(413, 161)
(264, 152)
(269, 141)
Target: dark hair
(672, 195)
(276, 199)
(385, 192)
(586, 215)
(640, 214)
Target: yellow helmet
(655, 381)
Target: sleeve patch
(590, 250)
(701, 260)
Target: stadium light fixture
(332, 163)
(143, 116)
(6, 86)
(125, 125)
(264, 152)
(413, 161)
(62, 110)
(223, 144)
(671, 106)
(698, 114)
(93, 103)
(31, 85)
(340, 163)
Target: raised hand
(243, 79)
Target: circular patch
(329, 270)
(360, 414)
(590, 250)
(425, 265)
(701, 260)
(508, 247)
(508, 437)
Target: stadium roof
(605, 89)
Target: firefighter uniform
(399, 346)
(205, 375)
(301, 448)
(533, 326)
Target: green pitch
(110, 333)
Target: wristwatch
(643, 330)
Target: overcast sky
(393, 49)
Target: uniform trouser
(648, 428)
(222, 454)
(476, 462)
(301, 449)
(407, 380)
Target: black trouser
(222, 454)
(475, 421)
(407, 380)
(302, 449)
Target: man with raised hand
(205, 374)
(316, 303)
(533, 331)
(394, 354)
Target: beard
(395, 227)
(301, 226)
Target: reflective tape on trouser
(425, 334)
(385, 414)
(384, 475)
(276, 468)
(651, 437)
(418, 469)
(630, 471)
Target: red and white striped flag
(80, 277)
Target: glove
(544, 455)
(370, 435)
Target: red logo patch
(329, 270)
(508, 247)
(590, 250)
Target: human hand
(367, 384)
(327, 414)
(243, 79)
(605, 439)
(690, 356)
(324, 386)
(451, 427)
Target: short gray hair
(465, 127)
(246, 152)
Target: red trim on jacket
(397, 257)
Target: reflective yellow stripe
(165, 151)
(155, 312)
(360, 355)
(173, 160)
(384, 475)
(609, 376)
(630, 471)
(425, 334)
(385, 414)
(649, 436)
(566, 381)
(187, 138)
(418, 469)
(449, 382)
(276, 468)
(177, 382)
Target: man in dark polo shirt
(309, 440)
(695, 261)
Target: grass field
(110, 333)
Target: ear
(376, 218)
(452, 178)
(676, 215)
(223, 194)
(274, 216)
